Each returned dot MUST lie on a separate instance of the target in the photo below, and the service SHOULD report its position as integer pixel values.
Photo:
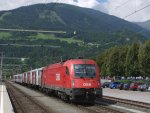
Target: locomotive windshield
(84, 70)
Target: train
(76, 80)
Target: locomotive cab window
(84, 71)
(67, 71)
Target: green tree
(102, 61)
(122, 60)
(113, 67)
(132, 64)
(144, 59)
(104, 70)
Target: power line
(136, 11)
(122, 4)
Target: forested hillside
(145, 24)
(63, 17)
(88, 33)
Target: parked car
(139, 87)
(149, 88)
(134, 85)
(126, 86)
(144, 87)
(120, 86)
(114, 85)
(106, 84)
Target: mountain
(88, 33)
(64, 17)
(145, 24)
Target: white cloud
(101, 8)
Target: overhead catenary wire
(120, 5)
(117, 7)
(136, 11)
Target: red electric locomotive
(77, 80)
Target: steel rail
(98, 109)
(23, 102)
(91, 108)
(129, 102)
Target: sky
(119, 8)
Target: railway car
(24, 78)
(29, 78)
(77, 80)
(33, 77)
(36, 77)
(15, 78)
(18, 78)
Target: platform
(5, 103)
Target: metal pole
(1, 68)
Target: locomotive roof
(74, 61)
(81, 60)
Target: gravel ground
(127, 94)
(54, 104)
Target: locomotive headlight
(73, 83)
(98, 83)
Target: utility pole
(1, 68)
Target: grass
(4, 35)
(52, 37)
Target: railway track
(23, 103)
(109, 100)
(98, 109)
(26, 104)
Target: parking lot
(128, 94)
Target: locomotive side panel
(54, 78)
